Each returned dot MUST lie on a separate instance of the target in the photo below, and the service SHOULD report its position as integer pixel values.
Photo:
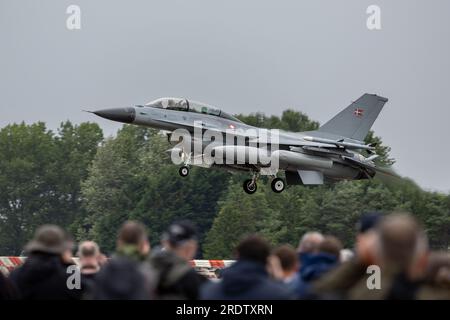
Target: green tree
(76, 146)
(40, 174)
(25, 182)
(290, 120)
(238, 215)
(113, 185)
(166, 197)
(132, 177)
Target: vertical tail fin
(355, 121)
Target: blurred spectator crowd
(390, 260)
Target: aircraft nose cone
(126, 115)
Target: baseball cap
(180, 232)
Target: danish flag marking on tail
(358, 112)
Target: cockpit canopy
(189, 106)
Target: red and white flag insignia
(358, 112)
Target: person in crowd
(7, 289)
(102, 259)
(89, 257)
(336, 283)
(437, 278)
(176, 279)
(394, 246)
(218, 273)
(318, 264)
(346, 255)
(307, 247)
(289, 266)
(67, 255)
(247, 278)
(309, 243)
(44, 275)
(89, 263)
(401, 255)
(126, 276)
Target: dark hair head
(331, 245)
(253, 248)
(288, 257)
(132, 233)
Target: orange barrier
(205, 267)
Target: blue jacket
(245, 280)
(312, 267)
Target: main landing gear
(250, 187)
(277, 185)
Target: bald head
(88, 249)
(310, 242)
(89, 254)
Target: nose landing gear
(249, 185)
(184, 171)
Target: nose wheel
(184, 171)
(250, 186)
(278, 185)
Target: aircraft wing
(283, 139)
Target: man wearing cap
(44, 274)
(176, 278)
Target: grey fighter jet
(331, 153)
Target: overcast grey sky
(243, 56)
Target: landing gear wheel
(184, 171)
(249, 186)
(278, 185)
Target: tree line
(89, 184)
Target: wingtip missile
(339, 143)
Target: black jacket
(245, 280)
(122, 278)
(7, 289)
(43, 277)
(176, 279)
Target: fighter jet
(332, 153)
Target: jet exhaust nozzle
(125, 115)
